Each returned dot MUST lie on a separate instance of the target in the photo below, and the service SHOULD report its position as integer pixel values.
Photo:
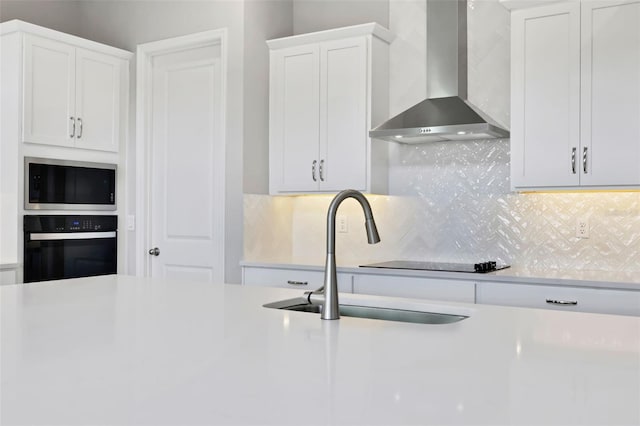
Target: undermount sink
(301, 304)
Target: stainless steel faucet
(330, 303)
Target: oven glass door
(50, 256)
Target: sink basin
(301, 304)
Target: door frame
(145, 54)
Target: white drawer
(291, 278)
(415, 287)
(623, 302)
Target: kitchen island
(124, 350)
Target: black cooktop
(481, 267)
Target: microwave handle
(51, 236)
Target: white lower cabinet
(414, 287)
(559, 297)
(291, 278)
(8, 275)
(581, 299)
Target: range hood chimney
(446, 114)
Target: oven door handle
(71, 235)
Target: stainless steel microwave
(51, 184)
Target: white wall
(264, 20)
(318, 15)
(60, 15)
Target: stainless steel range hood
(447, 114)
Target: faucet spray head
(372, 231)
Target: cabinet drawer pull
(73, 127)
(80, 129)
(573, 160)
(297, 282)
(322, 170)
(313, 170)
(562, 302)
(584, 159)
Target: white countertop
(124, 350)
(513, 274)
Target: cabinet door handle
(80, 128)
(584, 159)
(322, 170)
(573, 160)
(297, 282)
(313, 170)
(562, 302)
(73, 127)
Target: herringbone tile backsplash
(451, 202)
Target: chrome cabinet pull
(573, 160)
(297, 282)
(562, 302)
(322, 170)
(80, 129)
(313, 170)
(584, 159)
(154, 251)
(73, 127)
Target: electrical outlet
(582, 227)
(343, 224)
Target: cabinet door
(97, 100)
(343, 114)
(414, 287)
(545, 50)
(611, 92)
(49, 87)
(294, 119)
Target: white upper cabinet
(72, 95)
(74, 91)
(327, 89)
(610, 102)
(576, 95)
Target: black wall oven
(68, 185)
(69, 246)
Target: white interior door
(187, 199)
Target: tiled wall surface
(453, 204)
(451, 201)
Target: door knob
(154, 251)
